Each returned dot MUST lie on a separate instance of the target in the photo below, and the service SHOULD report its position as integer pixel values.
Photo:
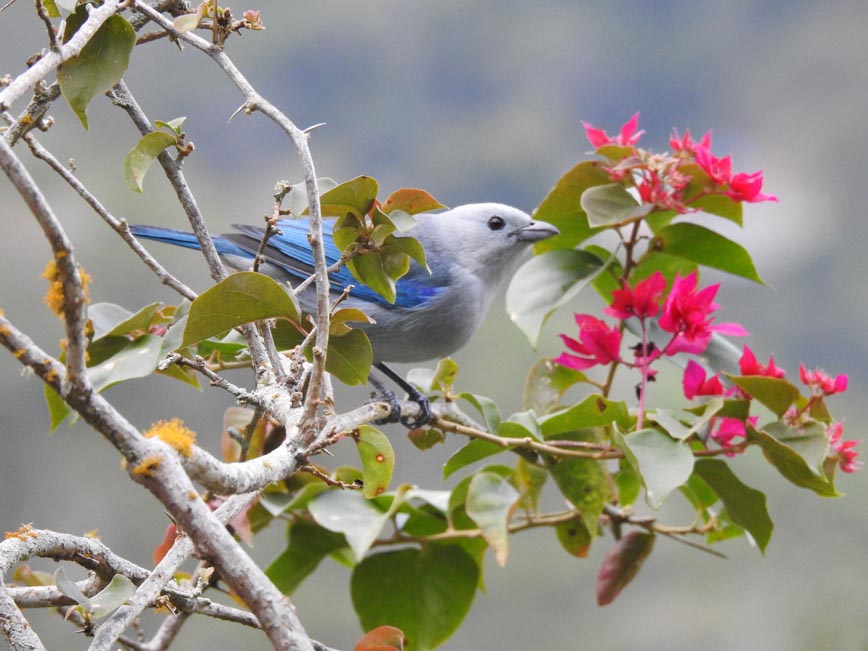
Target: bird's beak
(536, 231)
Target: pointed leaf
(349, 357)
(139, 159)
(562, 207)
(792, 465)
(99, 65)
(491, 500)
(426, 593)
(611, 204)
(411, 201)
(663, 462)
(706, 247)
(378, 460)
(546, 282)
(356, 196)
(240, 298)
(69, 589)
(111, 597)
(349, 513)
(775, 393)
(621, 564)
(308, 545)
(745, 505)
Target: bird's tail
(187, 240)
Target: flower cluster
(685, 313)
(674, 180)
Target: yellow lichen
(93, 534)
(148, 466)
(23, 532)
(54, 297)
(175, 434)
(21, 352)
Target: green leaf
(355, 196)
(137, 359)
(562, 207)
(471, 453)
(546, 282)
(308, 545)
(775, 393)
(706, 247)
(58, 410)
(664, 463)
(99, 65)
(378, 460)
(574, 537)
(720, 205)
(745, 505)
(793, 465)
(240, 298)
(491, 500)
(584, 482)
(111, 597)
(487, 407)
(629, 483)
(530, 478)
(139, 159)
(593, 411)
(611, 204)
(349, 357)
(546, 384)
(111, 320)
(621, 564)
(426, 593)
(370, 269)
(51, 8)
(349, 513)
(412, 201)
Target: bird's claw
(410, 422)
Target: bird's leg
(412, 393)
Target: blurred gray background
(481, 101)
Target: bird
(470, 250)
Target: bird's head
(488, 238)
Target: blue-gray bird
(471, 251)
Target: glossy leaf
(546, 384)
(720, 205)
(793, 465)
(611, 204)
(663, 462)
(139, 159)
(100, 64)
(425, 592)
(412, 201)
(746, 506)
(349, 513)
(378, 460)
(491, 500)
(475, 450)
(486, 407)
(574, 537)
(308, 545)
(113, 320)
(382, 638)
(240, 298)
(593, 411)
(546, 282)
(621, 564)
(562, 207)
(706, 247)
(775, 393)
(355, 196)
(584, 482)
(350, 357)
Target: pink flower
(750, 366)
(719, 169)
(642, 301)
(844, 451)
(686, 142)
(821, 383)
(696, 383)
(686, 314)
(628, 137)
(597, 344)
(731, 428)
(746, 187)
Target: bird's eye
(496, 223)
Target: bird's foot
(410, 422)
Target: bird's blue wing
(291, 250)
